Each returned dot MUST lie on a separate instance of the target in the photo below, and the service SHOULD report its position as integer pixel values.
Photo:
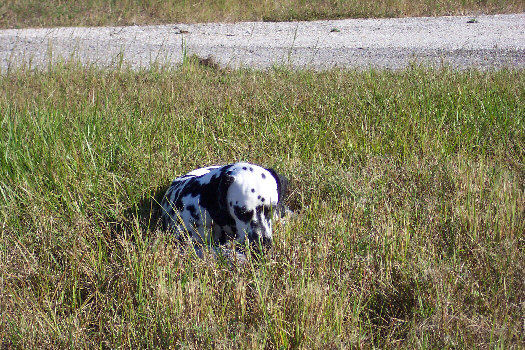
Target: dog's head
(252, 197)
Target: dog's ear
(225, 181)
(282, 184)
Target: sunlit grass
(31, 13)
(407, 187)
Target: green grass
(30, 13)
(408, 188)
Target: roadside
(488, 41)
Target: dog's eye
(243, 214)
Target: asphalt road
(485, 41)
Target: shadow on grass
(391, 308)
(144, 216)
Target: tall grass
(408, 188)
(29, 13)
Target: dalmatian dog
(217, 204)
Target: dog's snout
(266, 242)
(261, 242)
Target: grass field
(31, 13)
(408, 188)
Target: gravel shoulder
(486, 42)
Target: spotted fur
(216, 204)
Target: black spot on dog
(244, 168)
(222, 237)
(253, 190)
(176, 194)
(193, 212)
(262, 199)
(210, 195)
(262, 210)
(263, 176)
(259, 197)
(243, 214)
(251, 169)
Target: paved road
(490, 41)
